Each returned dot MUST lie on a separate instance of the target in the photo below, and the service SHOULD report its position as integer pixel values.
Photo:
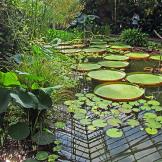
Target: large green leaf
(24, 99)
(137, 55)
(145, 79)
(4, 99)
(119, 92)
(107, 75)
(9, 79)
(19, 131)
(43, 138)
(156, 57)
(44, 100)
(114, 64)
(87, 67)
(116, 58)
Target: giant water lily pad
(94, 50)
(121, 47)
(145, 79)
(70, 51)
(87, 67)
(116, 58)
(114, 64)
(107, 75)
(114, 133)
(119, 92)
(156, 57)
(137, 55)
(64, 47)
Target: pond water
(81, 145)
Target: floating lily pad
(137, 55)
(151, 131)
(70, 51)
(107, 75)
(121, 47)
(119, 92)
(42, 155)
(94, 50)
(116, 58)
(156, 58)
(64, 47)
(133, 122)
(114, 64)
(114, 133)
(85, 121)
(114, 122)
(91, 128)
(87, 67)
(145, 79)
(99, 123)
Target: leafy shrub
(134, 37)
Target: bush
(134, 37)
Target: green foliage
(19, 131)
(108, 114)
(46, 68)
(52, 34)
(134, 37)
(42, 155)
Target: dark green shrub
(134, 37)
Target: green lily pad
(94, 50)
(60, 125)
(116, 58)
(119, 92)
(79, 116)
(114, 64)
(85, 121)
(114, 122)
(99, 123)
(145, 79)
(88, 67)
(153, 103)
(149, 116)
(64, 47)
(107, 75)
(70, 51)
(151, 131)
(133, 122)
(153, 124)
(114, 133)
(159, 119)
(156, 108)
(156, 58)
(120, 47)
(125, 110)
(137, 55)
(42, 155)
(92, 128)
